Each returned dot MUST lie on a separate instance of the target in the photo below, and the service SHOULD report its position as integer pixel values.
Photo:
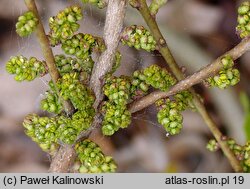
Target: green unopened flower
(80, 45)
(138, 37)
(25, 69)
(69, 64)
(51, 103)
(92, 159)
(64, 24)
(170, 117)
(71, 88)
(42, 130)
(158, 77)
(183, 100)
(243, 27)
(115, 117)
(117, 89)
(228, 76)
(212, 145)
(26, 24)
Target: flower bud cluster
(212, 145)
(80, 45)
(169, 116)
(92, 159)
(72, 89)
(42, 130)
(25, 69)
(138, 37)
(116, 115)
(26, 24)
(228, 76)
(243, 27)
(51, 103)
(69, 64)
(64, 24)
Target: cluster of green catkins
(49, 132)
(156, 5)
(68, 64)
(242, 153)
(25, 69)
(99, 3)
(116, 115)
(169, 114)
(228, 76)
(138, 37)
(72, 89)
(91, 159)
(155, 76)
(243, 27)
(26, 24)
(80, 45)
(42, 130)
(64, 24)
(51, 103)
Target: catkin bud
(138, 37)
(26, 24)
(243, 27)
(25, 69)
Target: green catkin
(183, 100)
(80, 45)
(42, 130)
(138, 37)
(72, 89)
(158, 77)
(116, 115)
(26, 24)
(99, 3)
(68, 64)
(243, 27)
(212, 145)
(91, 159)
(51, 103)
(25, 69)
(155, 76)
(64, 24)
(228, 76)
(117, 89)
(170, 116)
(156, 5)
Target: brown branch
(112, 29)
(167, 55)
(191, 80)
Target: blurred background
(197, 32)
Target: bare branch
(63, 159)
